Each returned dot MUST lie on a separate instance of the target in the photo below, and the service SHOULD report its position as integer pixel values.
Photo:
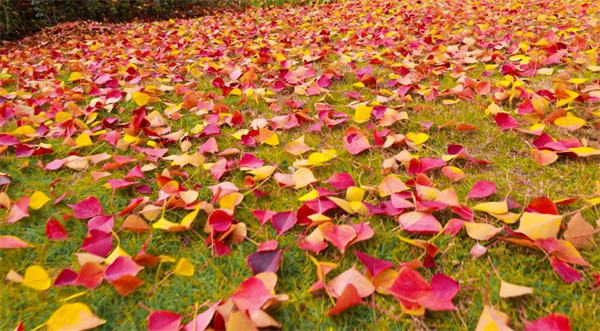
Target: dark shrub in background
(19, 18)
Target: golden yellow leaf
(262, 172)
(184, 268)
(75, 75)
(570, 122)
(362, 114)
(417, 138)
(355, 194)
(37, 278)
(83, 140)
(38, 200)
(585, 151)
(140, 98)
(73, 317)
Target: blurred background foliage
(19, 18)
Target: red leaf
(55, 231)
(349, 298)
(552, 322)
(565, 271)
(90, 275)
(66, 277)
(220, 220)
(505, 121)
(126, 284)
(543, 205)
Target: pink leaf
(375, 265)
(18, 211)
(164, 320)
(264, 261)
(98, 243)
(251, 295)
(87, 208)
(12, 242)
(482, 189)
(122, 266)
(284, 221)
(341, 181)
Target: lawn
(191, 129)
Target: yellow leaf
(318, 158)
(363, 113)
(268, 137)
(313, 194)
(578, 81)
(164, 224)
(73, 317)
(492, 207)
(37, 278)
(262, 172)
(189, 218)
(359, 84)
(569, 122)
(184, 268)
(492, 320)
(509, 218)
(83, 140)
(481, 231)
(303, 177)
(417, 138)
(38, 200)
(508, 290)
(585, 151)
(140, 98)
(115, 254)
(75, 75)
(355, 194)
(24, 129)
(542, 226)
